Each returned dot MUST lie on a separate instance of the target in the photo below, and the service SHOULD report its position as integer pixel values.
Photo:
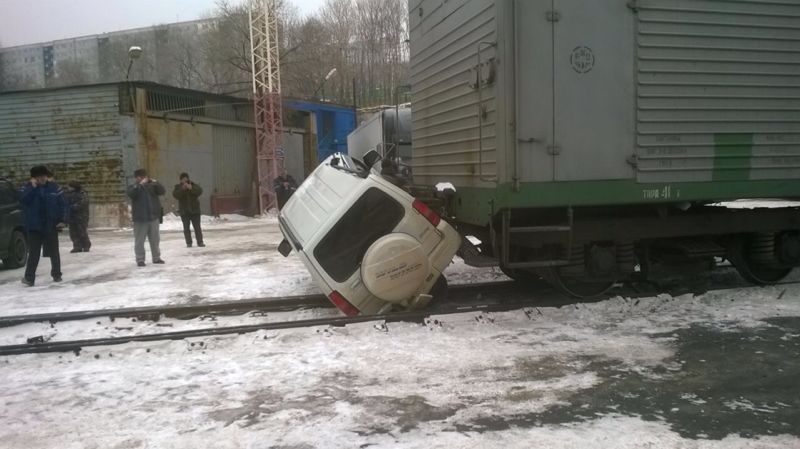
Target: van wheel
(439, 290)
(17, 251)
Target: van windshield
(372, 216)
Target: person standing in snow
(284, 186)
(78, 200)
(187, 193)
(45, 213)
(147, 213)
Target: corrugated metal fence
(75, 132)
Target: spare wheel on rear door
(394, 267)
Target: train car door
(593, 89)
(534, 88)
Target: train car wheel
(743, 254)
(575, 287)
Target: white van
(368, 244)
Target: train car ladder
(565, 230)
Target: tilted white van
(369, 245)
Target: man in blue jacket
(45, 212)
(146, 211)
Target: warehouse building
(99, 134)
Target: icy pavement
(241, 261)
(714, 371)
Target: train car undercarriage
(584, 251)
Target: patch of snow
(754, 204)
(453, 383)
(442, 186)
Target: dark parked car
(13, 247)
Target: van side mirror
(371, 157)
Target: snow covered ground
(714, 371)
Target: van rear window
(372, 216)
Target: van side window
(371, 217)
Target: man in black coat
(147, 213)
(78, 200)
(187, 193)
(284, 186)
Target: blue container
(334, 123)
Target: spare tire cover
(394, 267)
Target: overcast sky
(32, 21)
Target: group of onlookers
(48, 209)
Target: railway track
(190, 311)
(491, 297)
(181, 311)
(495, 304)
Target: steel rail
(502, 301)
(182, 311)
(189, 311)
(409, 316)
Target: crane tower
(264, 53)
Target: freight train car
(590, 140)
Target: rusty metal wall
(233, 155)
(175, 147)
(74, 131)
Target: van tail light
(342, 304)
(427, 212)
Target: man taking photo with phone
(45, 211)
(187, 193)
(146, 212)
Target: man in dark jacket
(284, 186)
(146, 211)
(187, 192)
(78, 200)
(45, 213)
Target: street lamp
(322, 86)
(133, 53)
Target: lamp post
(133, 53)
(322, 86)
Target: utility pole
(265, 58)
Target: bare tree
(225, 48)
(379, 56)
(363, 39)
(339, 18)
